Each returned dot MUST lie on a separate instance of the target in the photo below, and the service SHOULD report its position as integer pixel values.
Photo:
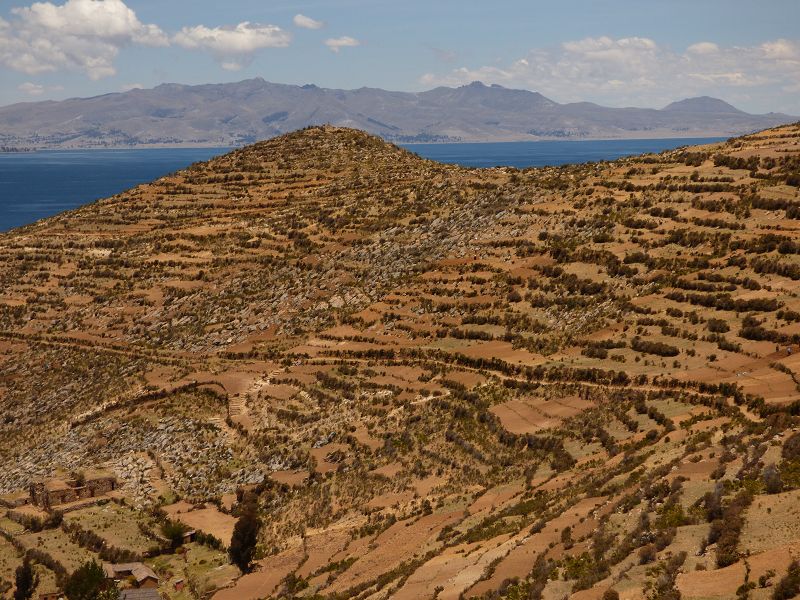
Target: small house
(141, 575)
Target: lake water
(546, 153)
(36, 185)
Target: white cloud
(131, 86)
(83, 35)
(336, 44)
(87, 35)
(783, 50)
(639, 71)
(106, 19)
(32, 89)
(703, 48)
(233, 46)
(36, 89)
(307, 22)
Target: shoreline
(693, 139)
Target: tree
(174, 532)
(245, 537)
(89, 582)
(26, 579)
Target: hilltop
(435, 382)
(233, 114)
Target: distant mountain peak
(702, 104)
(498, 91)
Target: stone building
(52, 492)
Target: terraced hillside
(436, 382)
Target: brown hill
(436, 381)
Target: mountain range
(233, 114)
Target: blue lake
(36, 185)
(546, 153)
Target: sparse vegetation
(345, 371)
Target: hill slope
(239, 113)
(435, 381)
(702, 104)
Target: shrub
(647, 554)
(717, 326)
(595, 352)
(566, 537)
(731, 528)
(772, 480)
(657, 348)
(789, 585)
(791, 448)
(209, 540)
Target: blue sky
(619, 53)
